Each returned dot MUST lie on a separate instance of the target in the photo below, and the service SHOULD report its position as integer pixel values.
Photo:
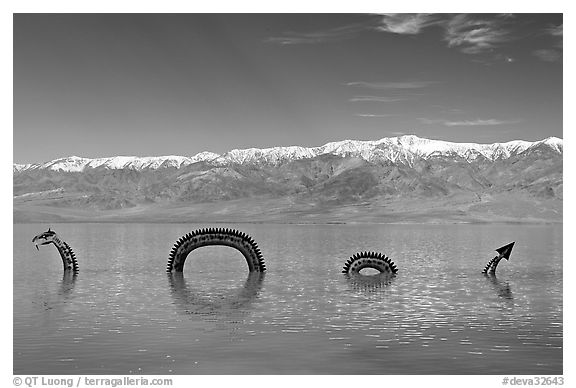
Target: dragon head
(44, 238)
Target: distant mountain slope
(468, 180)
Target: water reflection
(223, 312)
(369, 283)
(502, 289)
(201, 302)
(67, 283)
(59, 296)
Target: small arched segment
(215, 236)
(374, 260)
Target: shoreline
(273, 222)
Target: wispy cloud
(474, 35)
(400, 90)
(428, 121)
(556, 30)
(406, 23)
(376, 99)
(339, 33)
(392, 85)
(558, 33)
(554, 53)
(470, 33)
(474, 123)
(467, 123)
(373, 115)
(547, 55)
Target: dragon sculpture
(215, 236)
(66, 253)
(249, 249)
(503, 253)
(374, 260)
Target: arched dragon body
(215, 236)
(66, 253)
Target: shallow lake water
(123, 314)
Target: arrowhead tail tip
(506, 250)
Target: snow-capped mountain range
(77, 164)
(402, 149)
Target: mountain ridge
(402, 149)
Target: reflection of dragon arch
(194, 302)
(373, 260)
(369, 283)
(66, 253)
(219, 236)
(225, 311)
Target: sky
(97, 85)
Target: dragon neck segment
(66, 253)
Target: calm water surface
(124, 315)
